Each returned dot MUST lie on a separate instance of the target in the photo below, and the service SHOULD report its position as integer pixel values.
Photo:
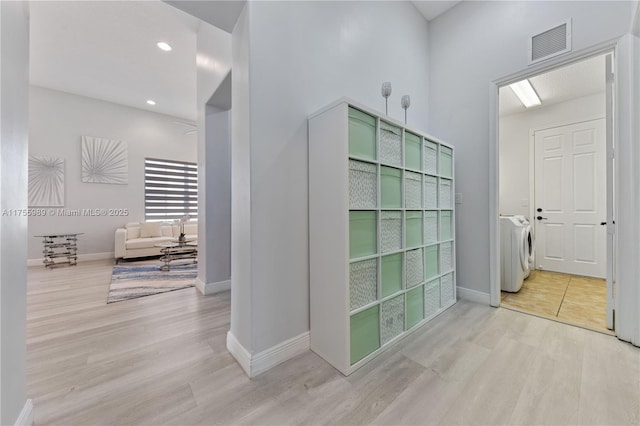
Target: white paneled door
(570, 199)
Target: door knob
(603, 223)
(540, 218)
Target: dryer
(514, 248)
(529, 244)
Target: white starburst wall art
(46, 181)
(104, 161)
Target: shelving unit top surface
(383, 117)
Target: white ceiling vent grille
(550, 43)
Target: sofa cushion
(133, 233)
(166, 230)
(150, 229)
(146, 242)
(191, 228)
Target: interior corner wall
(58, 121)
(215, 163)
(514, 144)
(241, 255)
(14, 87)
(303, 56)
(471, 45)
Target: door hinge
(610, 77)
(611, 153)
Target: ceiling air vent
(550, 43)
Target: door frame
(494, 86)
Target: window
(170, 189)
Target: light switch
(458, 198)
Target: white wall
(471, 45)
(302, 56)
(214, 162)
(58, 121)
(241, 272)
(14, 86)
(214, 263)
(514, 148)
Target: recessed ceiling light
(164, 46)
(151, 102)
(525, 92)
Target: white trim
(26, 415)
(474, 295)
(494, 208)
(242, 356)
(269, 358)
(81, 258)
(279, 353)
(212, 288)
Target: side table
(177, 251)
(60, 246)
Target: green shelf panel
(362, 135)
(413, 228)
(362, 233)
(430, 226)
(412, 151)
(445, 225)
(391, 274)
(446, 161)
(415, 306)
(431, 261)
(444, 196)
(365, 333)
(391, 187)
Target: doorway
(553, 176)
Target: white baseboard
(239, 353)
(81, 258)
(279, 353)
(26, 415)
(269, 358)
(212, 288)
(474, 295)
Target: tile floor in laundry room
(568, 298)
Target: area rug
(133, 280)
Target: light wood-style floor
(162, 360)
(568, 298)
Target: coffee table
(177, 251)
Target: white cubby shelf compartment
(382, 232)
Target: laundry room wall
(515, 145)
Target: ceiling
(107, 50)
(570, 82)
(221, 13)
(433, 9)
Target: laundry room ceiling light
(525, 92)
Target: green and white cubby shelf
(382, 235)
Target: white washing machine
(516, 248)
